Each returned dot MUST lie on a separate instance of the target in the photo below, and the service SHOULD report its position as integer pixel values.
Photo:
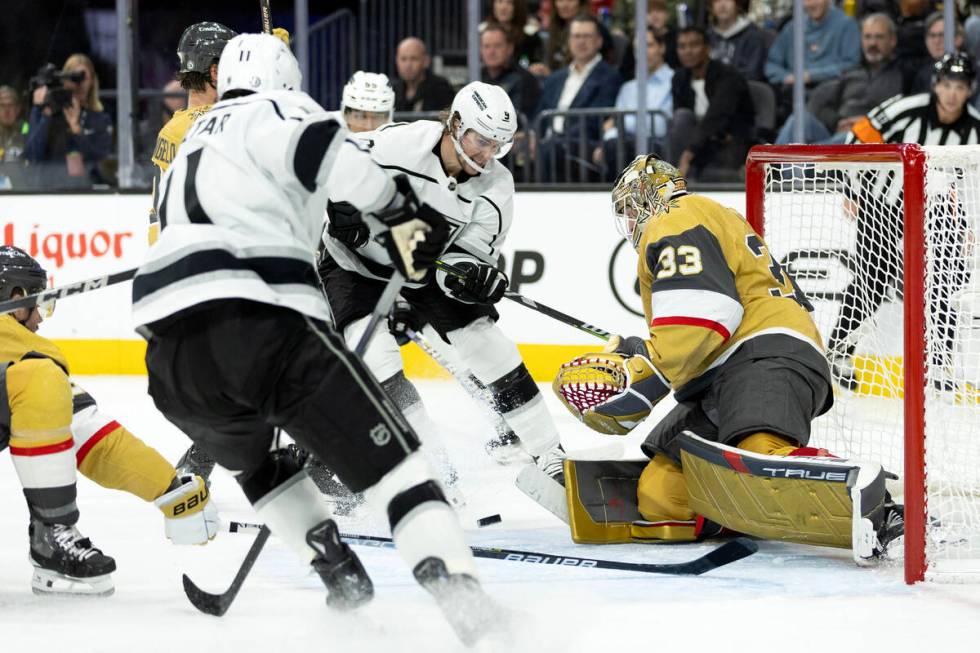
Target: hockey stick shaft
(535, 306)
(266, 12)
(381, 310)
(218, 604)
(469, 382)
(30, 301)
(728, 552)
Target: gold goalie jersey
(709, 285)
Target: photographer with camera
(70, 133)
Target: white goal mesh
(840, 227)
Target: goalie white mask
(257, 63)
(485, 121)
(370, 92)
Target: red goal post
(912, 161)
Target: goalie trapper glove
(346, 224)
(611, 393)
(402, 318)
(479, 284)
(416, 233)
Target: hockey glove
(402, 318)
(482, 283)
(416, 234)
(611, 393)
(189, 516)
(346, 224)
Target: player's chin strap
(470, 162)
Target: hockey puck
(488, 520)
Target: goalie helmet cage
(898, 324)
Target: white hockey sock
(423, 524)
(292, 509)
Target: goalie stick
(30, 301)
(564, 318)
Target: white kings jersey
(479, 208)
(242, 206)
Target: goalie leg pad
(795, 499)
(603, 505)
(662, 492)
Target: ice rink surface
(786, 597)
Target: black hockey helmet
(200, 46)
(955, 65)
(19, 270)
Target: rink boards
(562, 250)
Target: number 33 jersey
(709, 287)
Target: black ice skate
(66, 563)
(467, 608)
(891, 534)
(348, 584)
(196, 461)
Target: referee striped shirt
(907, 119)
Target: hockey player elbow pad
(609, 392)
(346, 224)
(188, 514)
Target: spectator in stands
(911, 21)
(837, 104)
(13, 136)
(523, 29)
(735, 40)
(935, 39)
(13, 128)
(587, 82)
(658, 17)
(67, 144)
(417, 88)
(832, 47)
(659, 97)
(497, 52)
(556, 54)
(713, 111)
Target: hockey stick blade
(218, 604)
(727, 553)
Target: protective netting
(838, 227)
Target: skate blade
(49, 583)
(543, 490)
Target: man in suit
(588, 82)
(713, 112)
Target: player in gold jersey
(198, 52)
(730, 334)
(52, 427)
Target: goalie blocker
(821, 501)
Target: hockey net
(882, 239)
